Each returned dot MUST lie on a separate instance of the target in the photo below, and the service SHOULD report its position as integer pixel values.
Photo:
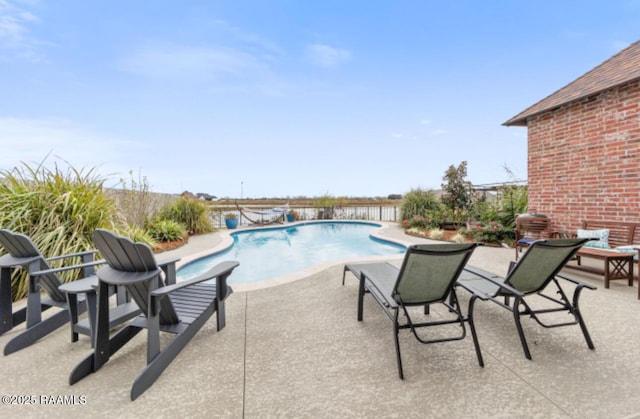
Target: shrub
(166, 231)
(191, 213)
(418, 222)
(436, 234)
(459, 238)
(491, 232)
(58, 209)
(419, 203)
(416, 231)
(513, 201)
(448, 215)
(139, 234)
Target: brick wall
(584, 159)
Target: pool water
(269, 253)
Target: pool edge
(227, 242)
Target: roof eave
(516, 122)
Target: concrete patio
(297, 350)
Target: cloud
(248, 40)
(326, 56)
(187, 62)
(234, 55)
(16, 40)
(30, 140)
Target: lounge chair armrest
(383, 296)
(73, 255)
(482, 274)
(482, 295)
(577, 282)
(220, 270)
(69, 268)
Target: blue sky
(289, 98)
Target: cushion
(629, 249)
(601, 235)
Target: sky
(290, 98)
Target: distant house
(189, 195)
(584, 145)
(205, 196)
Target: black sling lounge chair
(181, 309)
(427, 276)
(22, 252)
(536, 269)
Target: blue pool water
(273, 252)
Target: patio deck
(296, 350)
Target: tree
(457, 192)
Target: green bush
(513, 201)
(58, 209)
(419, 203)
(510, 201)
(419, 222)
(138, 235)
(490, 232)
(166, 231)
(191, 213)
(436, 234)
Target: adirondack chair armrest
(73, 255)
(167, 260)
(168, 266)
(8, 261)
(577, 282)
(69, 268)
(221, 270)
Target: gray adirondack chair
(535, 271)
(427, 276)
(23, 253)
(181, 309)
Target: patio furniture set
(146, 291)
(148, 297)
(431, 274)
(613, 243)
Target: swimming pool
(268, 253)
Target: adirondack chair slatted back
(429, 272)
(19, 247)
(125, 256)
(543, 260)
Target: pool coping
(227, 241)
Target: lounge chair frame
(488, 286)
(385, 283)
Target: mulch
(165, 246)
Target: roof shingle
(622, 68)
